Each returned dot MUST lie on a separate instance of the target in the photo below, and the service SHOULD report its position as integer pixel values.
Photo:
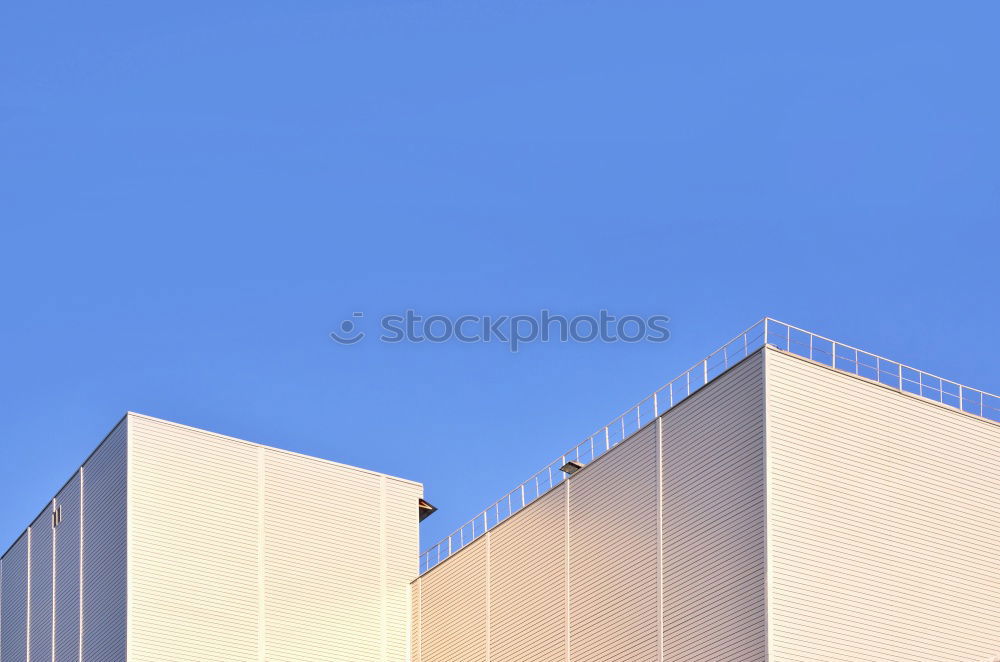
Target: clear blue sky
(193, 195)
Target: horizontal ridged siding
(41, 587)
(401, 550)
(243, 552)
(14, 603)
(614, 556)
(455, 605)
(415, 622)
(884, 516)
(322, 561)
(53, 603)
(505, 596)
(529, 550)
(193, 545)
(67, 592)
(104, 550)
(197, 546)
(714, 550)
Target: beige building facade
(784, 512)
(177, 544)
(787, 499)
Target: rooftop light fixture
(571, 467)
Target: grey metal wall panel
(884, 517)
(104, 550)
(714, 547)
(67, 565)
(614, 554)
(528, 583)
(14, 607)
(40, 601)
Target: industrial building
(788, 499)
(172, 543)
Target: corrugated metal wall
(104, 550)
(241, 552)
(576, 576)
(529, 625)
(322, 556)
(67, 563)
(193, 545)
(401, 551)
(14, 603)
(455, 607)
(614, 554)
(884, 521)
(714, 546)
(40, 600)
(53, 601)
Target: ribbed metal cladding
(42, 582)
(14, 603)
(884, 520)
(40, 602)
(714, 537)
(590, 573)
(178, 544)
(244, 553)
(105, 550)
(67, 573)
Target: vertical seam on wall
(767, 511)
(79, 642)
(489, 595)
(382, 571)
(420, 615)
(261, 595)
(128, 536)
(52, 629)
(566, 548)
(659, 529)
(27, 616)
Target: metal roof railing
(767, 331)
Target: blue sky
(193, 195)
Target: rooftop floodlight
(571, 467)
